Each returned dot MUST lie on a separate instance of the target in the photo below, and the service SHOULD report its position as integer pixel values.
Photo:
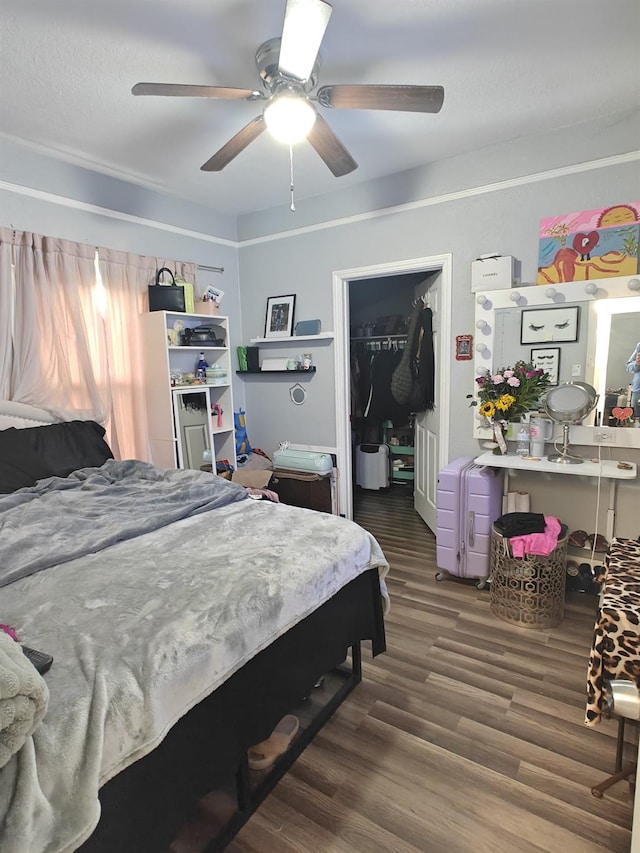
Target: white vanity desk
(606, 469)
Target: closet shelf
(402, 449)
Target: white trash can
(372, 466)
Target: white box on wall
(274, 364)
(492, 272)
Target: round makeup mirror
(568, 404)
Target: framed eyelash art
(549, 325)
(549, 360)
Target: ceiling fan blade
(181, 90)
(413, 99)
(235, 145)
(329, 147)
(305, 22)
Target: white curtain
(6, 314)
(70, 339)
(125, 278)
(58, 335)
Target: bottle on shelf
(201, 367)
(522, 441)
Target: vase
(500, 429)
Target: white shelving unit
(180, 427)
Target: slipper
(264, 754)
(578, 538)
(585, 581)
(572, 580)
(601, 543)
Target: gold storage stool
(528, 591)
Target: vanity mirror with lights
(598, 329)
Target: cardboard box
(492, 272)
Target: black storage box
(206, 336)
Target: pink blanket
(540, 544)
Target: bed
(185, 620)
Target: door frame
(342, 364)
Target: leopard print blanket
(615, 652)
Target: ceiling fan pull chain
(293, 205)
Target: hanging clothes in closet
(413, 380)
(372, 401)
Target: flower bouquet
(509, 393)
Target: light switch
(576, 369)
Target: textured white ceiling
(510, 68)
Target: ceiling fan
(288, 67)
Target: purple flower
(481, 380)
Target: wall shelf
(294, 338)
(271, 372)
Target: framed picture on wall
(549, 325)
(463, 347)
(279, 319)
(547, 359)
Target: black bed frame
(144, 806)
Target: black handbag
(166, 297)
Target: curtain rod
(213, 269)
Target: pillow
(34, 453)
(67, 446)
(20, 465)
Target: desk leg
(611, 511)
(505, 490)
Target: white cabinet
(187, 421)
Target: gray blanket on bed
(143, 629)
(69, 524)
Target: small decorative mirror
(298, 394)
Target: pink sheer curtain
(70, 338)
(58, 336)
(6, 313)
(125, 277)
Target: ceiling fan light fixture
(289, 118)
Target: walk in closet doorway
(431, 436)
(388, 452)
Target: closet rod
(213, 269)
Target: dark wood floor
(467, 735)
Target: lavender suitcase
(468, 501)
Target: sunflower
(510, 392)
